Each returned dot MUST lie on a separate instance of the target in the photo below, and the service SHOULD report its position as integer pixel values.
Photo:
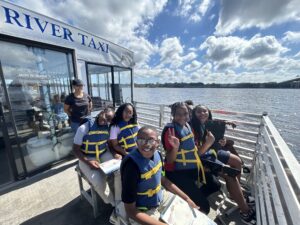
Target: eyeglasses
(141, 141)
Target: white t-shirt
(114, 132)
(80, 133)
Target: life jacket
(187, 156)
(127, 135)
(149, 193)
(94, 143)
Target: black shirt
(79, 106)
(130, 177)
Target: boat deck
(53, 198)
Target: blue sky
(226, 41)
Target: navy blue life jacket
(127, 136)
(187, 156)
(149, 193)
(94, 143)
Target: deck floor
(52, 198)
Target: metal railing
(274, 179)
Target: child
(200, 116)
(124, 129)
(141, 173)
(183, 165)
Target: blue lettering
(82, 38)
(55, 30)
(27, 19)
(9, 16)
(67, 33)
(92, 42)
(40, 25)
(102, 46)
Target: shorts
(223, 156)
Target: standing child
(124, 129)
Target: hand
(94, 164)
(192, 204)
(209, 139)
(173, 140)
(222, 141)
(117, 156)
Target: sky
(222, 41)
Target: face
(202, 114)
(127, 113)
(78, 88)
(181, 115)
(147, 143)
(109, 116)
(102, 119)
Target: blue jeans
(74, 126)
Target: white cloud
(193, 10)
(193, 66)
(293, 37)
(171, 53)
(243, 14)
(233, 52)
(114, 20)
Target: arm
(90, 106)
(112, 151)
(67, 109)
(173, 144)
(209, 140)
(139, 216)
(175, 190)
(117, 147)
(94, 164)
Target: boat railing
(274, 177)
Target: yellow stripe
(187, 137)
(150, 192)
(86, 145)
(98, 132)
(128, 126)
(94, 143)
(94, 152)
(151, 172)
(131, 136)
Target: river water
(282, 105)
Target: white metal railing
(275, 178)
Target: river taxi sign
(22, 23)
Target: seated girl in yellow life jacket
(123, 129)
(183, 164)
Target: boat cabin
(39, 57)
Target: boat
(36, 153)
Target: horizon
(193, 40)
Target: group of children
(144, 171)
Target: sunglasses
(141, 141)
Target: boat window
(100, 81)
(122, 87)
(37, 81)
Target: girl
(124, 129)
(200, 116)
(183, 165)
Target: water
(282, 105)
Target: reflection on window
(100, 80)
(37, 81)
(122, 88)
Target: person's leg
(98, 180)
(212, 185)
(230, 159)
(74, 126)
(182, 179)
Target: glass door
(7, 166)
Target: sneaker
(250, 200)
(113, 218)
(249, 217)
